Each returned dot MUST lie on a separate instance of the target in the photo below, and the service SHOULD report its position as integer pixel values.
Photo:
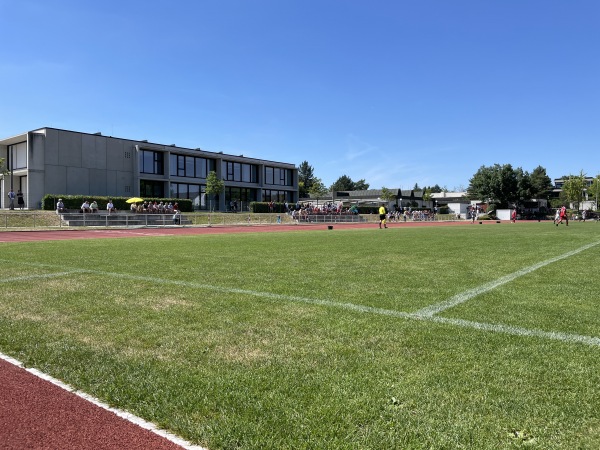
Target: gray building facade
(54, 161)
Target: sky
(395, 92)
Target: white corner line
(467, 295)
(118, 412)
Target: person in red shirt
(513, 216)
(563, 215)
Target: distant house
(457, 202)
(586, 204)
(372, 197)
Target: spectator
(20, 199)
(85, 207)
(94, 206)
(60, 207)
(11, 199)
(176, 217)
(110, 207)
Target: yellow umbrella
(135, 200)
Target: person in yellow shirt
(382, 214)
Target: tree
(360, 185)
(343, 183)
(306, 178)
(495, 183)
(2, 166)
(427, 194)
(434, 189)
(594, 190)
(541, 184)
(214, 186)
(317, 189)
(573, 188)
(524, 190)
(387, 195)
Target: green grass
(256, 341)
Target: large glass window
(238, 199)
(234, 171)
(278, 176)
(17, 156)
(201, 168)
(270, 195)
(194, 192)
(152, 189)
(152, 162)
(269, 175)
(190, 166)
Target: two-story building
(53, 161)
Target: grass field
(470, 336)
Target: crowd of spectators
(155, 208)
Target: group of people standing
(20, 199)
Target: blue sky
(393, 92)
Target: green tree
(306, 177)
(541, 184)
(497, 183)
(435, 189)
(360, 185)
(343, 183)
(2, 166)
(573, 189)
(317, 189)
(524, 189)
(387, 194)
(427, 194)
(594, 190)
(214, 186)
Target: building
(372, 197)
(53, 161)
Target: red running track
(45, 235)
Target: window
(17, 156)
(234, 171)
(242, 196)
(194, 192)
(277, 196)
(278, 176)
(150, 189)
(269, 175)
(189, 166)
(151, 162)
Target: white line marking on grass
(496, 328)
(33, 277)
(120, 413)
(518, 331)
(471, 293)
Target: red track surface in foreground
(36, 414)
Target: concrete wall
(92, 165)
